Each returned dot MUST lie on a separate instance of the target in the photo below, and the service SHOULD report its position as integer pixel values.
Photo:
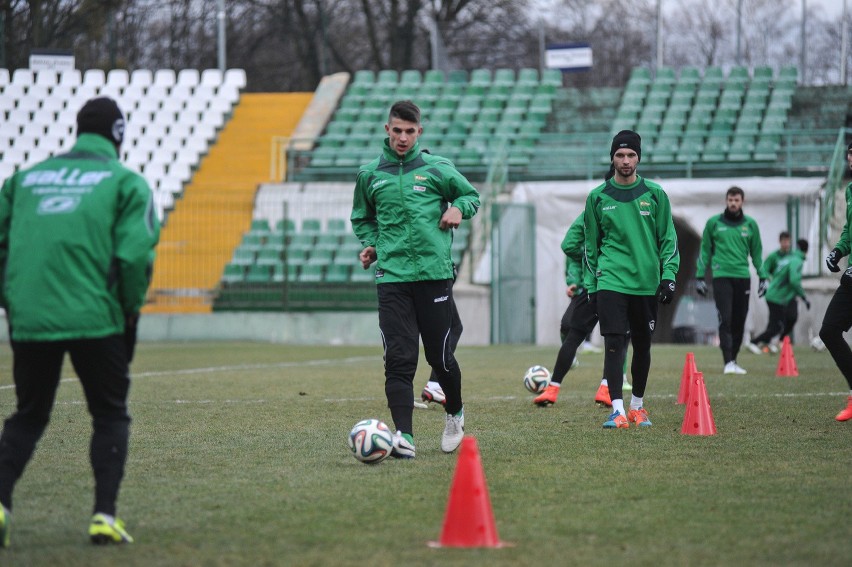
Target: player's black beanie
(101, 116)
(626, 139)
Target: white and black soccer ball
(371, 441)
(536, 379)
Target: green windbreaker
(844, 243)
(786, 282)
(572, 246)
(772, 262)
(77, 233)
(729, 244)
(397, 206)
(631, 242)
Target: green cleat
(5, 526)
(105, 529)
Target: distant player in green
(729, 239)
(838, 316)
(791, 314)
(785, 287)
(632, 258)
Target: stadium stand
(164, 139)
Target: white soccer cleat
(753, 348)
(402, 449)
(734, 368)
(453, 432)
(433, 394)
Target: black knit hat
(849, 148)
(626, 139)
(102, 116)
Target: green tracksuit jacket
(631, 242)
(77, 234)
(397, 206)
(572, 246)
(786, 282)
(771, 263)
(844, 243)
(728, 244)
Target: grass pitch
(238, 457)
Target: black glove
(762, 286)
(807, 303)
(846, 278)
(131, 325)
(593, 302)
(666, 291)
(701, 288)
(832, 260)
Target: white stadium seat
(211, 77)
(236, 77)
(181, 92)
(23, 77)
(95, 78)
(118, 78)
(141, 77)
(4, 77)
(70, 78)
(46, 78)
(188, 77)
(165, 78)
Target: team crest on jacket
(651, 325)
(418, 177)
(418, 188)
(644, 207)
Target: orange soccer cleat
(639, 417)
(548, 396)
(616, 421)
(846, 414)
(602, 396)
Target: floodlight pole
(659, 34)
(803, 59)
(739, 31)
(844, 45)
(220, 17)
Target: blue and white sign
(568, 56)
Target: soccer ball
(537, 379)
(371, 441)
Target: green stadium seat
(504, 77)
(296, 257)
(337, 226)
(434, 77)
(338, 273)
(302, 240)
(360, 275)
(311, 273)
(243, 256)
(268, 257)
(320, 256)
(741, 149)
(530, 75)
(364, 77)
(410, 77)
(233, 273)
(481, 77)
(640, 75)
(551, 77)
(387, 77)
(689, 76)
(259, 274)
(457, 76)
(327, 241)
(285, 225)
(281, 272)
(665, 76)
(738, 74)
(260, 226)
(767, 148)
(716, 149)
(253, 242)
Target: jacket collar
(95, 144)
(392, 156)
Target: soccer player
(770, 265)
(77, 234)
(729, 239)
(838, 315)
(784, 288)
(579, 318)
(632, 258)
(405, 204)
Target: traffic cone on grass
(469, 520)
(689, 371)
(698, 419)
(787, 362)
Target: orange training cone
(689, 370)
(787, 362)
(698, 419)
(469, 521)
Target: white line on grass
(231, 368)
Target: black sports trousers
(409, 312)
(837, 320)
(101, 366)
(731, 296)
(577, 322)
(626, 317)
(777, 323)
